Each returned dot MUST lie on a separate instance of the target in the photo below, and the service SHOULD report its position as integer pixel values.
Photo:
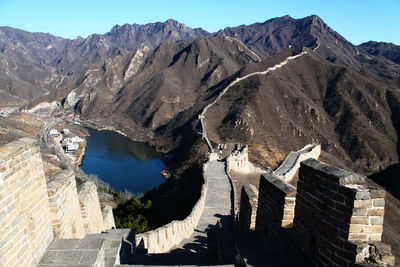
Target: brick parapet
(25, 227)
(32, 212)
(90, 208)
(164, 238)
(248, 207)
(291, 164)
(276, 203)
(235, 200)
(64, 206)
(336, 215)
(108, 218)
(238, 161)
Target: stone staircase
(208, 244)
(195, 250)
(105, 249)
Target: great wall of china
(34, 211)
(334, 217)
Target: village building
(76, 139)
(53, 133)
(71, 148)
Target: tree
(133, 213)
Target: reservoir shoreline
(135, 166)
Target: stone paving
(74, 252)
(218, 206)
(193, 250)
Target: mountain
(271, 36)
(152, 81)
(149, 88)
(132, 36)
(37, 49)
(43, 62)
(311, 100)
(386, 50)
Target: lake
(122, 163)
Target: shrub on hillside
(133, 213)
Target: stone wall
(238, 161)
(162, 239)
(25, 225)
(64, 206)
(248, 207)
(235, 198)
(276, 203)
(108, 218)
(90, 208)
(291, 164)
(33, 213)
(338, 219)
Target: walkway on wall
(202, 116)
(193, 250)
(291, 164)
(246, 50)
(217, 207)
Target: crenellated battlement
(25, 226)
(332, 214)
(339, 217)
(33, 212)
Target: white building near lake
(53, 133)
(72, 148)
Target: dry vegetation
(25, 125)
(19, 126)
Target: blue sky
(357, 20)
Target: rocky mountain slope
(43, 62)
(386, 50)
(152, 81)
(311, 100)
(132, 36)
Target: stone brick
(30, 234)
(248, 207)
(379, 203)
(288, 212)
(375, 212)
(340, 216)
(374, 237)
(90, 208)
(359, 220)
(377, 193)
(356, 228)
(373, 229)
(362, 203)
(376, 220)
(360, 211)
(358, 237)
(362, 195)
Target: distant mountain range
(153, 80)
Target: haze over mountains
(153, 80)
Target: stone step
(74, 252)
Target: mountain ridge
(154, 93)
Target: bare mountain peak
(388, 51)
(172, 21)
(131, 36)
